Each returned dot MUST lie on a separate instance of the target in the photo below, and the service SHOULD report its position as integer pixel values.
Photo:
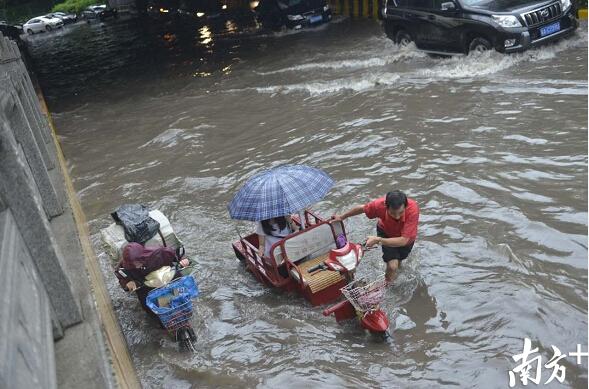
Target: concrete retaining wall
(51, 334)
(26, 190)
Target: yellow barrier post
(375, 9)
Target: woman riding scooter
(142, 269)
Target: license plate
(550, 29)
(315, 19)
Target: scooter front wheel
(384, 335)
(186, 337)
(189, 346)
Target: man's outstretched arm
(399, 241)
(356, 210)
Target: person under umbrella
(274, 230)
(271, 196)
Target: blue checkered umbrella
(278, 192)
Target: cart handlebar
(328, 311)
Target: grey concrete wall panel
(25, 318)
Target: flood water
(493, 148)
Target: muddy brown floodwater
(493, 147)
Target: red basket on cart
(366, 296)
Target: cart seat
(311, 243)
(318, 280)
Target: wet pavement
(493, 147)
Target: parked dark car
(462, 26)
(12, 32)
(274, 14)
(205, 10)
(99, 12)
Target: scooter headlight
(508, 21)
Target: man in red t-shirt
(396, 229)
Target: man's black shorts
(389, 253)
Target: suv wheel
(479, 45)
(403, 38)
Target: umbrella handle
(302, 219)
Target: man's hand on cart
(372, 241)
(184, 262)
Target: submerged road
(493, 147)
